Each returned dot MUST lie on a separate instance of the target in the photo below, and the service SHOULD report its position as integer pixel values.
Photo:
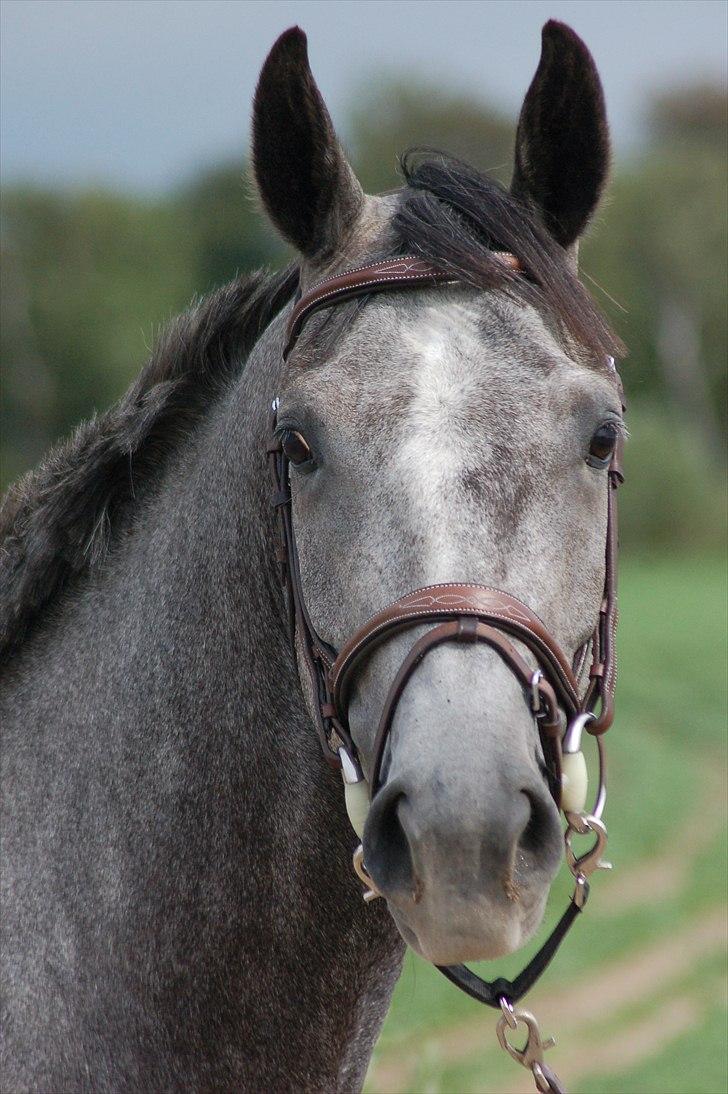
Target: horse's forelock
(457, 218)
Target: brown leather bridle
(463, 613)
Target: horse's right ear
(304, 180)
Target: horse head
(458, 435)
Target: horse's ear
(304, 180)
(562, 140)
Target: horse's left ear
(562, 140)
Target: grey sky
(141, 92)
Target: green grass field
(637, 995)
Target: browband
(374, 277)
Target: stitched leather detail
(445, 601)
(398, 266)
(457, 602)
(375, 277)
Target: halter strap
(470, 629)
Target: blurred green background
(90, 274)
(638, 995)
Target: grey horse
(179, 911)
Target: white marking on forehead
(432, 452)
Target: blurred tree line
(88, 277)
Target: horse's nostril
(537, 838)
(386, 848)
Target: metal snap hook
(531, 1055)
(583, 866)
(509, 1012)
(590, 861)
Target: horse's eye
(602, 445)
(295, 448)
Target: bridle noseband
(461, 613)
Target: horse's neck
(317, 965)
(215, 807)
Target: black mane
(456, 217)
(57, 520)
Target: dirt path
(632, 980)
(666, 875)
(590, 1052)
